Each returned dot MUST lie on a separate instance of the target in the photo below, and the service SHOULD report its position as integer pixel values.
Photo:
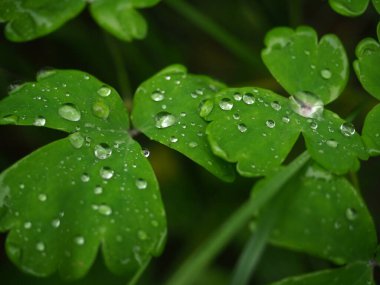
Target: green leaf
(120, 17)
(323, 66)
(93, 187)
(257, 129)
(349, 8)
(377, 256)
(30, 19)
(367, 65)
(371, 131)
(166, 110)
(326, 217)
(376, 4)
(355, 274)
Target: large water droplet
(39, 121)
(76, 140)
(332, 143)
(306, 104)
(106, 172)
(102, 151)
(326, 73)
(101, 110)
(270, 124)
(69, 112)
(351, 214)
(248, 98)
(242, 128)
(226, 104)
(164, 120)
(157, 95)
(104, 91)
(104, 210)
(347, 129)
(141, 183)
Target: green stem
(199, 260)
(233, 44)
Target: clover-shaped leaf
(94, 187)
(352, 8)
(325, 217)
(368, 71)
(30, 19)
(300, 63)
(356, 273)
(166, 109)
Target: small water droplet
(101, 110)
(40, 246)
(276, 105)
(102, 151)
(173, 139)
(104, 91)
(85, 177)
(157, 95)
(332, 143)
(242, 128)
(104, 210)
(351, 214)
(205, 107)
(39, 121)
(270, 124)
(326, 73)
(226, 104)
(145, 152)
(142, 235)
(76, 140)
(248, 98)
(164, 120)
(79, 240)
(106, 172)
(69, 112)
(347, 129)
(306, 104)
(42, 197)
(313, 125)
(56, 223)
(98, 190)
(237, 96)
(141, 183)
(286, 119)
(193, 144)
(27, 225)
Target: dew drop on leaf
(141, 183)
(173, 139)
(157, 95)
(104, 210)
(332, 143)
(104, 91)
(145, 152)
(42, 197)
(102, 151)
(39, 121)
(79, 240)
(226, 104)
(40, 246)
(106, 173)
(351, 214)
(270, 124)
(27, 225)
(313, 125)
(236, 116)
(76, 140)
(306, 104)
(98, 190)
(276, 105)
(69, 112)
(286, 119)
(205, 107)
(85, 177)
(347, 129)
(326, 74)
(56, 223)
(248, 98)
(101, 110)
(142, 235)
(242, 128)
(193, 144)
(237, 96)
(164, 120)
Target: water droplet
(347, 129)
(85, 177)
(332, 143)
(236, 116)
(142, 235)
(101, 110)
(27, 225)
(164, 120)
(226, 104)
(205, 107)
(313, 125)
(40, 246)
(69, 112)
(286, 119)
(104, 91)
(237, 96)
(106, 172)
(157, 95)
(242, 128)
(306, 105)
(79, 240)
(145, 152)
(42, 197)
(173, 139)
(270, 124)
(141, 183)
(276, 105)
(326, 74)
(98, 190)
(248, 98)
(102, 151)
(193, 144)
(104, 210)
(56, 223)
(351, 214)
(76, 140)
(39, 121)
(10, 119)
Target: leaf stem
(202, 257)
(233, 44)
